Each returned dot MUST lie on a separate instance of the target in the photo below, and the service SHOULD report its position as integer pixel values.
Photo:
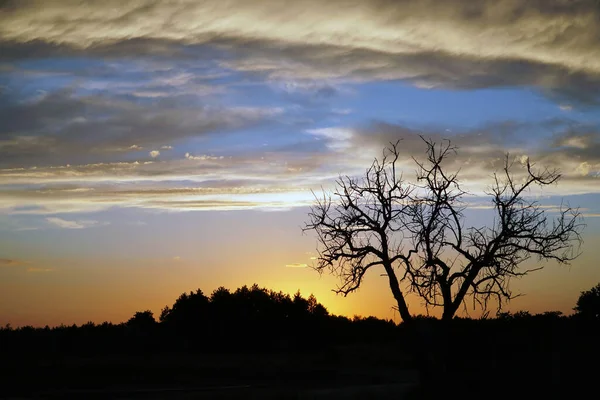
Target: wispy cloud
(72, 224)
(297, 265)
(203, 157)
(338, 138)
(566, 107)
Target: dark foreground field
(373, 371)
(350, 370)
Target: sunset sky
(153, 147)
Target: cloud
(337, 138)
(576, 140)
(524, 159)
(338, 134)
(70, 224)
(199, 183)
(296, 265)
(566, 107)
(282, 178)
(153, 77)
(51, 130)
(552, 44)
(203, 157)
(574, 150)
(584, 168)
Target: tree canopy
(588, 303)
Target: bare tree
(415, 231)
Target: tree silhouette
(588, 303)
(417, 234)
(142, 319)
(188, 314)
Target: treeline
(248, 319)
(255, 319)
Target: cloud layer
(552, 44)
(284, 179)
(202, 105)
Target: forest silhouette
(257, 336)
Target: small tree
(588, 303)
(416, 232)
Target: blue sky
(190, 135)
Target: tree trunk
(427, 338)
(403, 309)
(398, 295)
(449, 312)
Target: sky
(149, 148)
